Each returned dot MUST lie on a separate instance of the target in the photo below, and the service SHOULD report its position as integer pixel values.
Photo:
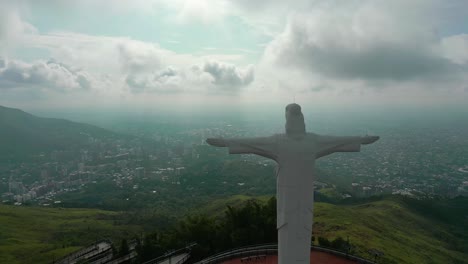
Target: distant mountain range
(23, 134)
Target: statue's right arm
(263, 146)
(217, 142)
(369, 139)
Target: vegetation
(396, 226)
(338, 243)
(403, 229)
(124, 249)
(253, 222)
(40, 235)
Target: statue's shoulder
(313, 138)
(307, 137)
(278, 136)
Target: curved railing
(183, 259)
(270, 249)
(80, 253)
(172, 253)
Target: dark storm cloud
(382, 61)
(371, 41)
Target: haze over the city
(109, 111)
(181, 54)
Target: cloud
(12, 26)
(44, 74)
(135, 66)
(204, 11)
(363, 46)
(315, 47)
(229, 75)
(136, 56)
(367, 42)
(211, 77)
(164, 81)
(140, 66)
(455, 48)
(378, 61)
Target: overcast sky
(149, 53)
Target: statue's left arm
(263, 146)
(330, 144)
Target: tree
(150, 248)
(340, 244)
(124, 249)
(323, 242)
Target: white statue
(295, 153)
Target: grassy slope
(39, 235)
(390, 225)
(403, 236)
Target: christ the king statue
(295, 153)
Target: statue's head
(294, 120)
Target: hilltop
(24, 134)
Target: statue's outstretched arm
(369, 139)
(331, 144)
(263, 146)
(217, 142)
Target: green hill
(23, 134)
(217, 207)
(401, 228)
(405, 230)
(40, 235)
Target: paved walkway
(317, 257)
(174, 259)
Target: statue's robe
(295, 156)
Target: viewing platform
(268, 254)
